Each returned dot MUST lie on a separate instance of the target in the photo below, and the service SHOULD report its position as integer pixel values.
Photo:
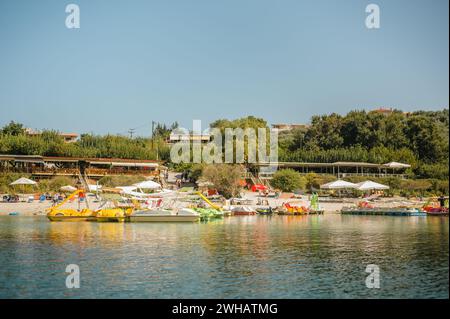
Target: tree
(425, 139)
(224, 177)
(325, 131)
(13, 128)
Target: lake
(236, 257)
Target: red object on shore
(258, 187)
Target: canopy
(369, 185)
(68, 188)
(23, 181)
(396, 165)
(338, 184)
(147, 185)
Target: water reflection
(237, 257)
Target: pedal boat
(164, 215)
(57, 214)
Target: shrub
(123, 180)
(288, 180)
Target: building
(180, 135)
(94, 168)
(338, 169)
(67, 137)
(383, 110)
(288, 127)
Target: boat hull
(71, 218)
(162, 218)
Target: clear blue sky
(132, 62)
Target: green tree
(224, 177)
(13, 128)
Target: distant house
(67, 137)
(383, 110)
(288, 127)
(179, 135)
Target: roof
(22, 158)
(99, 161)
(353, 164)
(69, 134)
(335, 164)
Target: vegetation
(47, 185)
(419, 138)
(14, 140)
(123, 180)
(224, 177)
(288, 180)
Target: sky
(134, 62)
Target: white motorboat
(165, 215)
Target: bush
(288, 180)
(123, 180)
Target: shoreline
(37, 208)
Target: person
(441, 200)
(81, 196)
(55, 199)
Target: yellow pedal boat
(56, 213)
(113, 214)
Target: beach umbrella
(147, 185)
(68, 188)
(23, 181)
(338, 184)
(369, 185)
(396, 165)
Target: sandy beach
(36, 208)
(329, 205)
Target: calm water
(238, 257)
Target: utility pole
(153, 141)
(131, 131)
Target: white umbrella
(338, 184)
(369, 185)
(147, 185)
(68, 188)
(396, 165)
(23, 181)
